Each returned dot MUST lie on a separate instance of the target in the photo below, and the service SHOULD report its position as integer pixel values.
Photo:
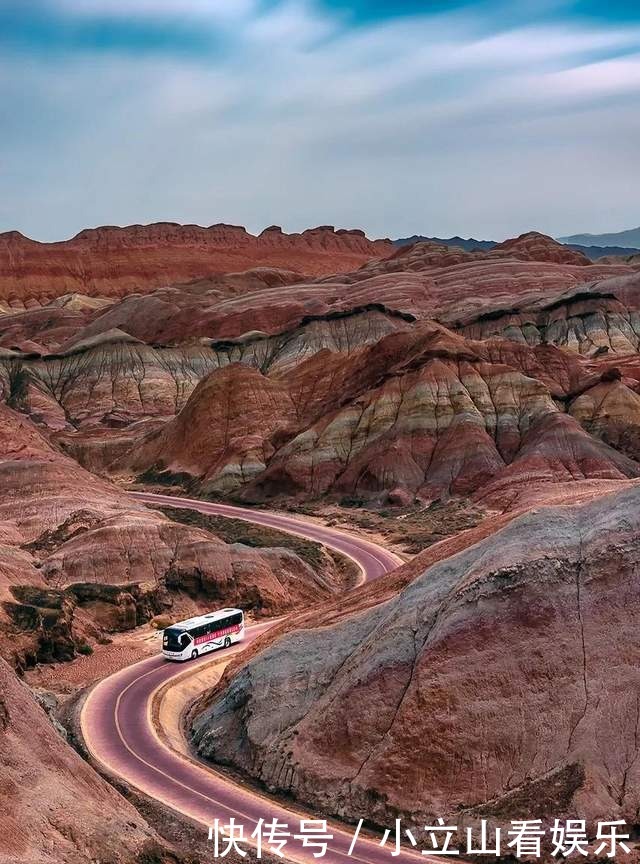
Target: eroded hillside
(488, 384)
(496, 665)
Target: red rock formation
(534, 246)
(592, 319)
(530, 247)
(61, 527)
(112, 262)
(232, 305)
(422, 412)
(335, 351)
(610, 410)
(510, 377)
(112, 380)
(54, 808)
(489, 686)
(555, 450)
(222, 434)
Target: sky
(480, 117)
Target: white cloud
(291, 25)
(607, 78)
(422, 124)
(157, 8)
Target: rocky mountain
(421, 412)
(112, 261)
(80, 559)
(488, 687)
(534, 246)
(432, 372)
(593, 246)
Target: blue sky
(480, 118)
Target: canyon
(494, 664)
(324, 369)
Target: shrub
(85, 649)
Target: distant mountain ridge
(629, 239)
(591, 247)
(595, 252)
(468, 245)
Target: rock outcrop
(364, 404)
(54, 808)
(222, 434)
(71, 541)
(489, 687)
(443, 421)
(423, 281)
(593, 319)
(423, 413)
(534, 246)
(261, 385)
(610, 410)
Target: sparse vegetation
(352, 501)
(412, 528)
(250, 534)
(85, 649)
(18, 385)
(163, 477)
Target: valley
(475, 412)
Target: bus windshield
(174, 640)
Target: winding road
(119, 734)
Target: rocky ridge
(55, 808)
(140, 386)
(446, 699)
(420, 414)
(111, 261)
(80, 559)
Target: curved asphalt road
(118, 732)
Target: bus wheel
(194, 653)
(227, 641)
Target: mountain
(504, 382)
(629, 239)
(55, 808)
(112, 261)
(473, 692)
(345, 386)
(594, 246)
(596, 252)
(76, 544)
(468, 245)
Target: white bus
(187, 639)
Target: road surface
(118, 732)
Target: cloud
(606, 78)
(285, 112)
(154, 9)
